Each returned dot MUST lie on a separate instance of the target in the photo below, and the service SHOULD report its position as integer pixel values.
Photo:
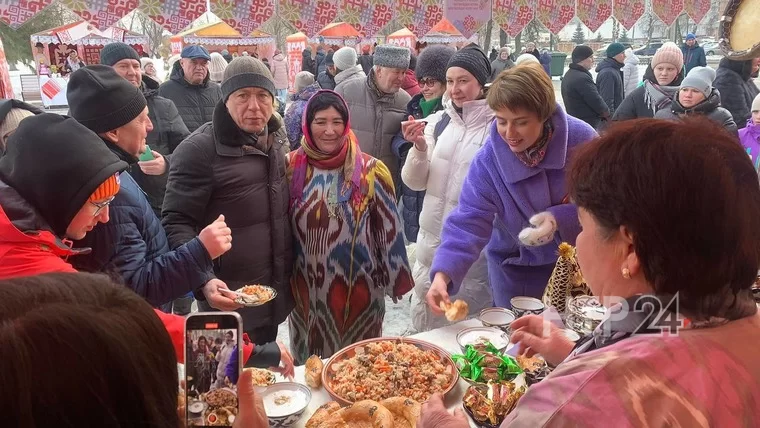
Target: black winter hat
(432, 62)
(474, 60)
(102, 100)
(580, 53)
(117, 51)
(55, 164)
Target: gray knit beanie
(303, 79)
(344, 58)
(246, 72)
(701, 79)
(391, 56)
(432, 62)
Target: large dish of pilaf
(381, 368)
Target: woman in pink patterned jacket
(673, 255)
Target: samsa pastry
(406, 412)
(456, 311)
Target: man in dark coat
(734, 81)
(236, 166)
(133, 244)
(609, 77)
(168, 128)
(579, 93)
(190, 87)
(365, 59)
(326, 79)
(693, 54)
(319, 61)
(307, 62)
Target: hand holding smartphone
(213, 360)
(148, 155)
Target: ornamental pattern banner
(419, 16)
(594, 13)
(555, 14)
(173, 15)
(667, 10)
(628, 12)
(101, 13)
(513, 15)
(367, 16)
(243, 15)
(467, 16)
(309, 17)
(15, 13)
(697, 9)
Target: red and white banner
(628, 12)
(555, 14)
(513, 15)
(243, 15)
(419, 16)
(308, 16)
(594, 13)
(295, 59)
(15, 13)
(367, 16)
(697, 9)
(6, 89)
(101, 13)
(174, 15)
(667, 10)
(467, 16)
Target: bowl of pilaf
(385, 367)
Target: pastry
(313, 373)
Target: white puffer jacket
(631, 78)
(440, 171)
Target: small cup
(497, 317)
(522, 306)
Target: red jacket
(410, 85)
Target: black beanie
(472, 59)
(102, 100)
(580, 53)
(117, 51)
(55, 164)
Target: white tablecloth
(444, 337)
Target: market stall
(402, 37)
(6, 90)
(338, 34)
(444, 33)
(51, 48)
(295, 44)
(220, 36)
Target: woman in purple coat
(515, 196)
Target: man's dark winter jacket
(366, 61)
(693, 56)
(319, 61)
(219, 169)
(737, 89)
(609, 81)
(168, 131)
(195, 103)
(326, 80)
(133, 246)
(581, 96)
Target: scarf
(533, 155)
(657, 97)
(348, 157)
(428, 107)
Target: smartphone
(415, 121)
(213, 355)
(148, 155)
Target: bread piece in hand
(313, 373)
(456, 311)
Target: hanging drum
(739, 35)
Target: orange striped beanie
(107, 189)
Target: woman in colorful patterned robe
(349, 244)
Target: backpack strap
(441, 125)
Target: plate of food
(262, 377)
(535, 368)
(285, 403)
(386, 367)
(489, 404)
(221, 407)
(484, 363)
(396, 412)
(254, 295)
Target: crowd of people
(114, 218)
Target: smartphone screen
(148, 155)
(212, 367)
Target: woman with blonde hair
(514, 198)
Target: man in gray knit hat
(235, 166)
(378, 104)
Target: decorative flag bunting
(243, 15)
(308, 16)
(697, 9)
(101, 13)
(467, 16)
(173, 15)
(367, 16)
(513, 15)
(15, 13)
(555, 14)
(667, 10)
(628, 12)
(419, 16)
(594, 13)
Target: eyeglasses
(427, 82)
(99, 207)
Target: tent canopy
(222, 34)
(339, 30)
(444, 28)
(84, 33)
